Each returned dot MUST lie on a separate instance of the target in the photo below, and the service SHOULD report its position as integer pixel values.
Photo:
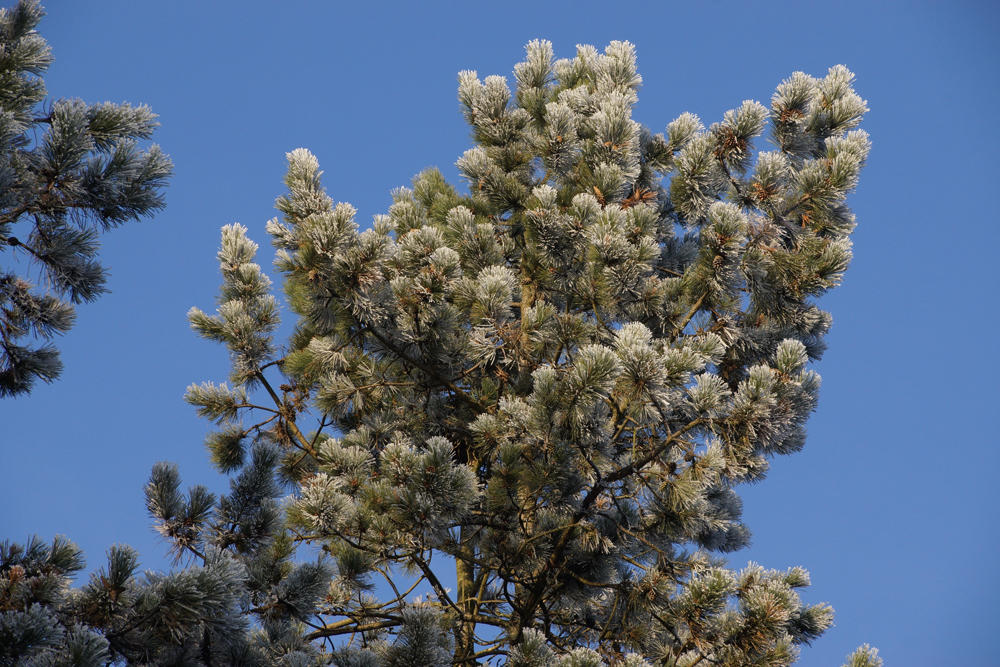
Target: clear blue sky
(893, 504)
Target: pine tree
(529, 406)
(68, 171)
(548, 389)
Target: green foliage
(864, 657)
(68, 171)
(554, 384)
(530, 407)
(241, 601)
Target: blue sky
(893, 506)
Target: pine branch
(689, 316)
(556, 560)
(288, 419)
(350, 626)
(478, 407)
(641, 463)
(439, 588)
(669, 271)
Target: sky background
(893, 504)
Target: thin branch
(671, 272)
(690, 315)
(289, 421)
(351, 626)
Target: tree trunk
(465, 573)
